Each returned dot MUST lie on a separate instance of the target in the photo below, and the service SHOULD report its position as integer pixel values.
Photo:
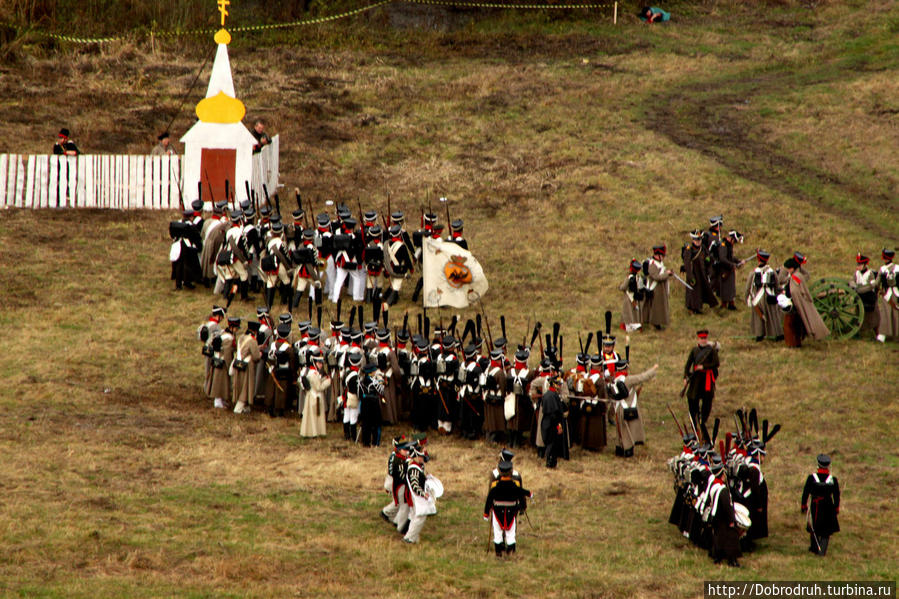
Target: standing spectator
(262, 138)
(64, 145)
(164, 147)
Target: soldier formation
(367, 373)
(781, 306)
(466, 385)
(243, 250)
(721, 495)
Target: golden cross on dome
(223, 8)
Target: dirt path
(702, 117)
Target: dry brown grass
(120, 481)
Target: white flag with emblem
(451, 275)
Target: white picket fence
(108, 181)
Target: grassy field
(568, 146)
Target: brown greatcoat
(244, 381)
(283, 388)
(694, 258)
(657, 306)
(593, 419)
(805, 308)
(212, 329)
(390, 367)
(630, 432)
(213, 238)
(221, 382)
(727, 271)
(766, 317)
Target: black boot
(760, 338)
(346, 431)
(367, 297)
(510, 548)
(499, 547)
(823, 541)
(244, 290)
(269, 297)
(353, 431)
(297, 298)
(417, 291)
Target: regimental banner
(451, 275)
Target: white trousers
(356, 284)
(499, 532)
(328, 274)
(402, 513)
(350, 415)
(391, 509)
(416, 523)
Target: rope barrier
(317, 20)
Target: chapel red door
(216, 165)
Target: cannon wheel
(839, 306)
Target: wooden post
(615, 15)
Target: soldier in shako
(456, 234)
(801, 318)
(348, 248)
(350, 399)
(553, 413)
(505, 500)
(416, 495)
(424, 392)
(865, 284)
(395, 482)
(656, 311)
(634, 294)
(213, 235)
(206, 332)
(399, 262)
(754, 492)
(824, 491)
(222, 354)
(243, 369)
(306, 278)
(494, 397)
(519, 380)
(428, 223)
(373, 256)
(282, 366)
(712, 239)
(316, 382)
(727, 266)
(370, 391)
(888, 297)
(725, 535)
(628, 421)
(276, 266)
(591, 387)
(471, 394)
(695, 265)
(185, 251)
(700, 378)
(447, 372)
(762, 290)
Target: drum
(741, 516)
(433, 486)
